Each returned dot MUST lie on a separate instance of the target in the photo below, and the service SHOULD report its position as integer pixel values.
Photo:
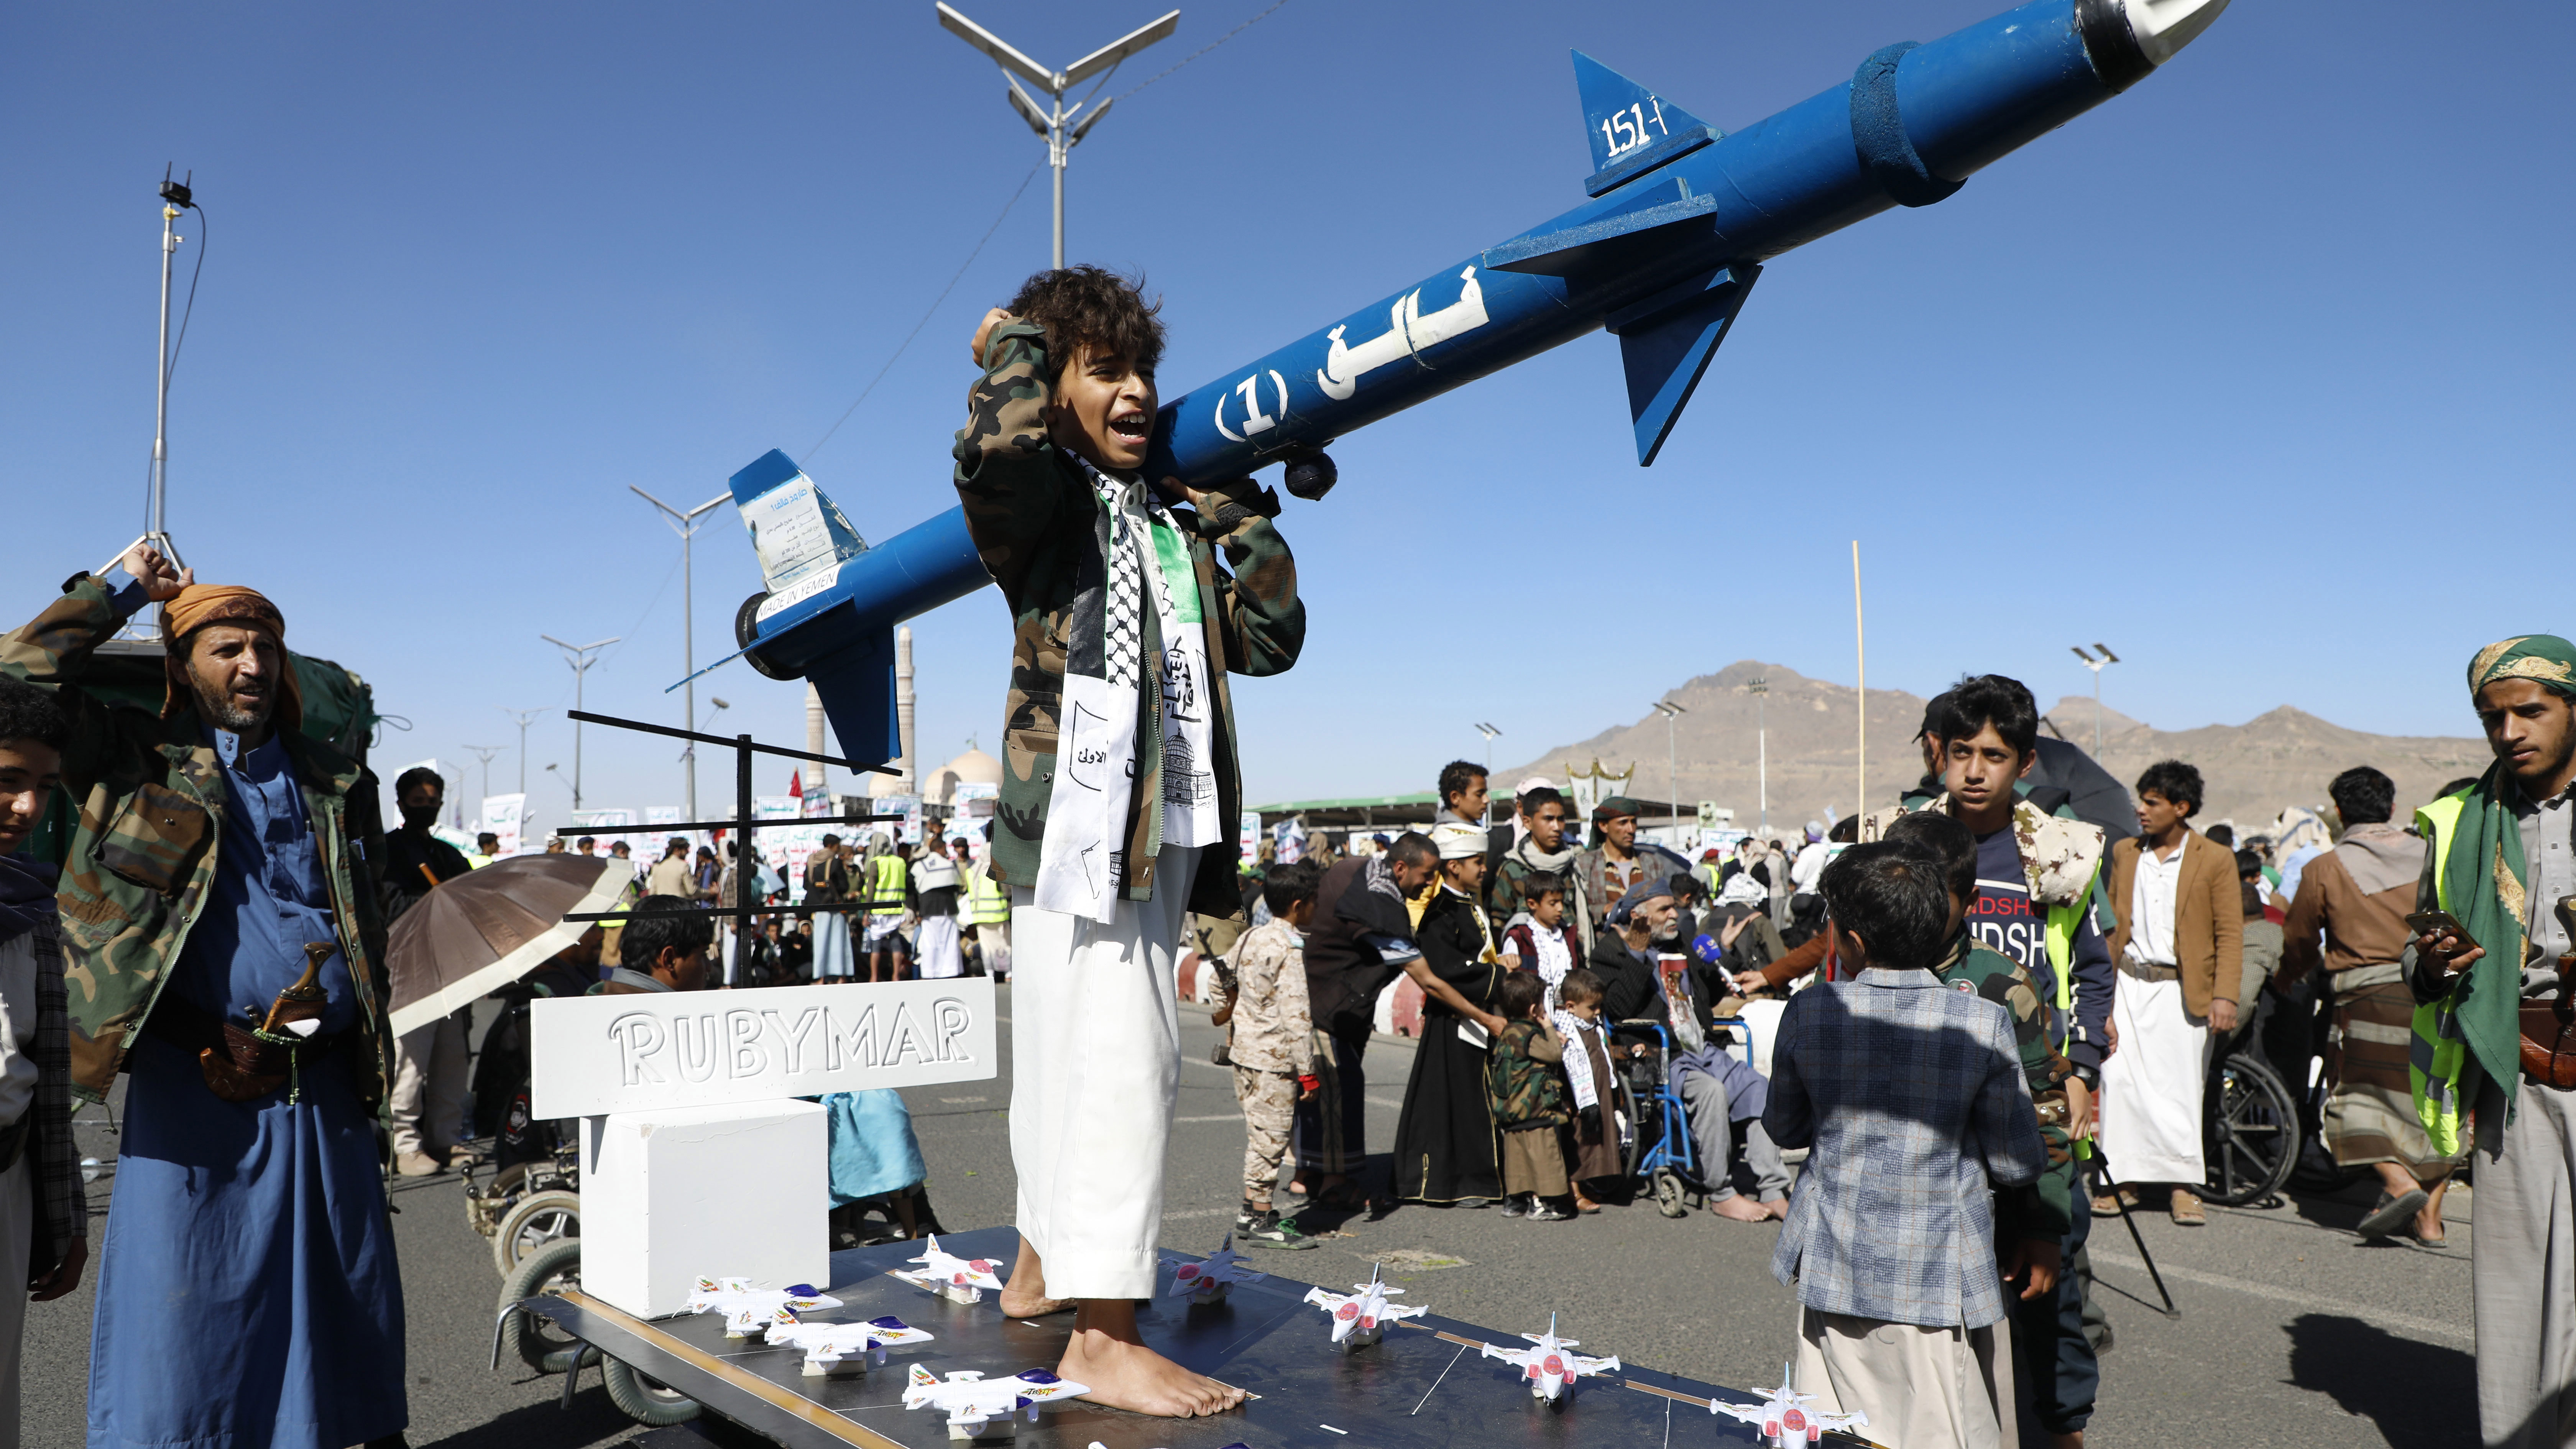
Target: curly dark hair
(29, 713)
(2363, 796)
(1084, 303)
(419, 775)
(1456, 776)
(2178, 783)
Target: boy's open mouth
(1132, 427)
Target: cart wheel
(2252, 1133)
(536, 1221)
(1668, 1194)
(538, 1343)
(646, 1400)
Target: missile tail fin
(1665, 343)
(1631, 129)
(856, 683)
(795, 528)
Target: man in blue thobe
(248, 1294)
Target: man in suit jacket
(1912, 1098)
(2179, 947)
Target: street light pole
(686, 525)
(522, 717)
(483, 753)
(1490, 733)
(1672, 771)
(1761, 692)
(1057, 124)
(2096, 666)
(580, 657)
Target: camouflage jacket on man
(2043, 1209)
(151, 798)
(1030, 512)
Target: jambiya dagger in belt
(1682, 218)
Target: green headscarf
(2485, 872)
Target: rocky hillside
(2281, 758)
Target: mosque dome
(971, 768)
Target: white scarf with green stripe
(1081, 860)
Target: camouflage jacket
(1274, 1031)
(2044, 1208)
(1030, 512)
(142, 863)
(1522, 1080)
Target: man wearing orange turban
(212, 867)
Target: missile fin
(1665, 343)
(804, 529)
(1616, 242)
(1631, 129)
(855, 680)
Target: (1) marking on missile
(1254, 419)
(1409, 331)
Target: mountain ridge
(2281, 757)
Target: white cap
(2164, 27)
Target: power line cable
(194, 274)
(927, 313)
(1202, 50)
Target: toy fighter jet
(973, 1401)
(1785, 1419)
(1548, 1367)
(962, 1280)
(748, 1310)
(1208, 1282)
(1360, 1316)
(841, 1348)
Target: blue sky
(2256, 372)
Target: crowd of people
(1978, 998)
(2124, 960)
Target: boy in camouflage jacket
(1525, 1089)
(1120, 785)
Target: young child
(1132, 599)
(1538, 937)
(1273, 1046)
(1528, 1099)
(1911, 1097)
(1587, 1078)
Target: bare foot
(1777, 1207)
(1024, 1296)
(1108, 1356)
(1740, 1209)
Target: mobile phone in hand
(2434, 923)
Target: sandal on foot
(2392, 1212)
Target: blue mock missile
(1681, 220)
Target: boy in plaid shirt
(1912, 1097)
(1273, 1045)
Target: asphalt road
(2293, 1332)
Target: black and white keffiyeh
(1081, 863)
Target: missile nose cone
(2164, 27)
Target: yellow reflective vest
(987, 904)
(887, 877)
(2437, 1059)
